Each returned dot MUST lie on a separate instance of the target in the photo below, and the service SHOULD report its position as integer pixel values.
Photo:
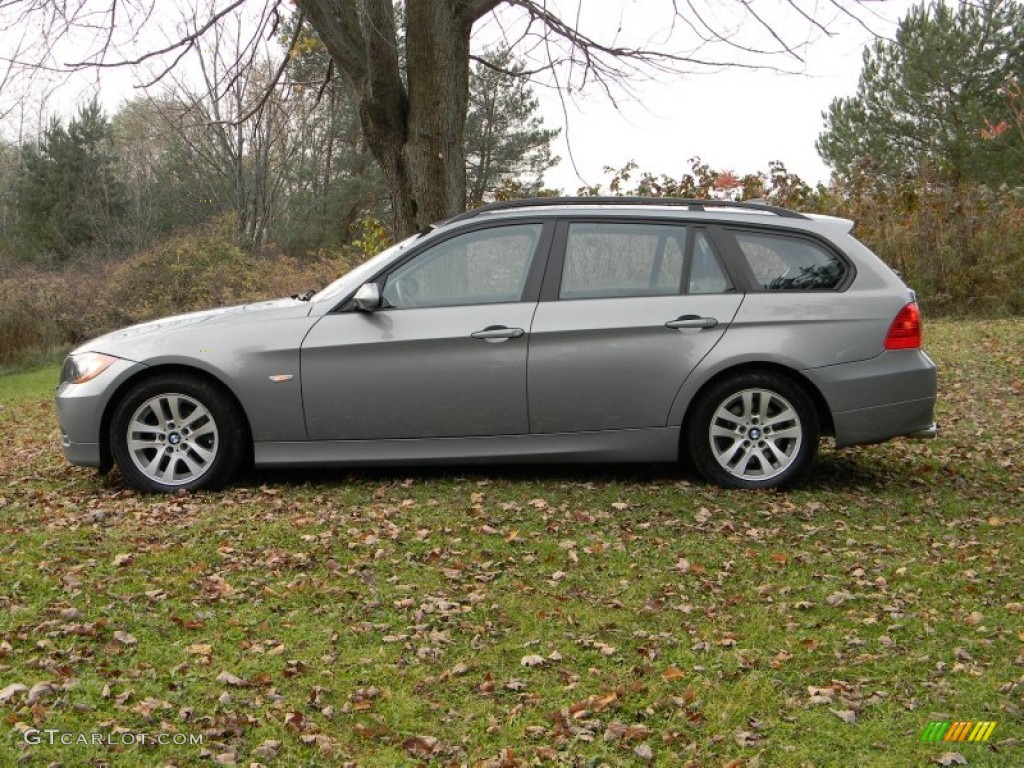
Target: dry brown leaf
(229, 679)
(846, 715)
(11, 691)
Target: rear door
(627, 311)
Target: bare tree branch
(187, 41)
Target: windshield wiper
(304, 296)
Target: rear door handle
(498, 333)
(692, 321)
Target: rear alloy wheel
(172, 432)
(755, 430)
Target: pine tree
(925, 98)
(67, 196)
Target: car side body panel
(240, 347)
(415, 373)
(621, 445)
(600, 364)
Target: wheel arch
(106, 454)
(820, 405)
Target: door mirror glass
(367, 298)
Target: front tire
(173, 432)
(753, 430)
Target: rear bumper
(929, 433)
(888, 396)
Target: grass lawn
(574, 617)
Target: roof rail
(681, 202)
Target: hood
(120, 341)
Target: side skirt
(623, 445)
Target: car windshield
(352, 280)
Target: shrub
(961, 249)
(42, 310)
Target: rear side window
(619, 259)
(790, 263)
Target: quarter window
(483, 267)
(783, 263)
(706, 275)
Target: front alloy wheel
(171, 432)
(757, 430)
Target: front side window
(483, 267)
(790, 263)
(621, 259)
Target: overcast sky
(733, 119)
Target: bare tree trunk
(438, 72)
(414, 133)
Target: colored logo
(961, 730)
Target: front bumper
(80, 411)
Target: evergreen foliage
(926, 98)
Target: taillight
(905, 331)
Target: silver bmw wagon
(730, 335)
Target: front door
(445, 356)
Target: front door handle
(692, 321)
(498, 333)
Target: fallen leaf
(846, 715)
(420, 746)
(11, 691)
(644, 753)
(229, 679)
(838, 598)
(950, 758)
(748, 738)
(533, 660)
(267, 750)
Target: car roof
(684, 209)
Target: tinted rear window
(790, 263)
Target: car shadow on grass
(835, 471)
(595, 474)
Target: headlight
(79, 369)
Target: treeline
(288, 164)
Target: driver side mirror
(367, 298)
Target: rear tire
(174, 432)
(753, 430)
